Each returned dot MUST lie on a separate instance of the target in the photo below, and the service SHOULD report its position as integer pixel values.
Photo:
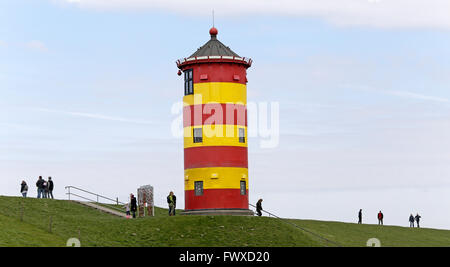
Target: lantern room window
(188, 82)
(198, 135)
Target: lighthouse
(216, 176)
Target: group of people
(416, 219)
(380, 217)
(172, 202)
(131, 207)
(44, 188)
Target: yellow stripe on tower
(215, 135)
(217, 92)
(216, 178)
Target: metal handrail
(85, 198)
(301, 228)
(94, 194)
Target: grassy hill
(94, 228)
(16, 233)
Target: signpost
(145, 201)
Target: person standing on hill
(127, 210)
(418, 220)
(50, 187)
(380, 218)
(40, 187)
(259, 207)
(174, 204)
(133, 207)
(171, 200)
(45, 188)
(24, 189)
(360, 217)
(411, 221)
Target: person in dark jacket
(24, 189)
(411, 221)
(174, 204)
(40, 187)
(418, 220)
(171, 200)
(50, 187)
(259, 207)
(360, 217)
(133, 205)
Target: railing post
(117, 200)
(69, 192)
(50, 224)
(21, 211)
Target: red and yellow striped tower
(215, 130)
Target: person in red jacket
(380, 218)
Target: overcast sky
(87, 88)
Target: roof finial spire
(213, 31)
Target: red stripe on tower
(216, 199)
(215, 156)
(219, 72)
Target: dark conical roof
(213, 52)
(214, 47)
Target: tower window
(198, 135)
(188, 82)
(198, 188)
(243, 188)
(241, 135)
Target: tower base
(233, 212)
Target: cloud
(404, 94)
(417, 96)
(95, 116)
(374, 13)
(37, 45)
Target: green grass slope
(15, 233)
(351, 234)
(95, 228)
